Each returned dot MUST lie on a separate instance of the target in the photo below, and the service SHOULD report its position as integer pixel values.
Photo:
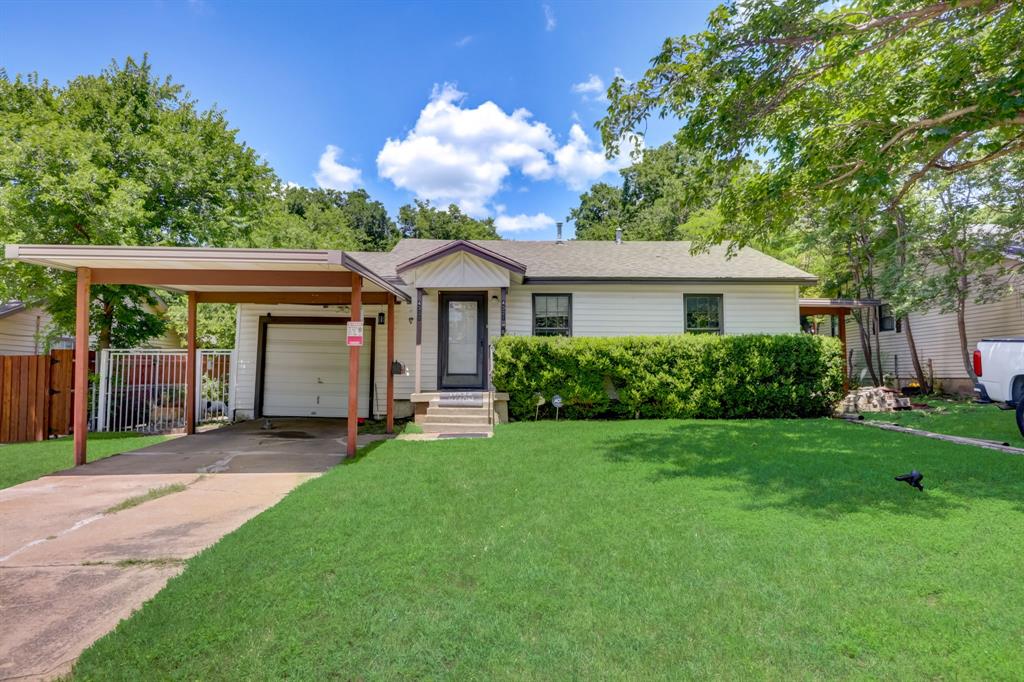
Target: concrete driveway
(69, 571)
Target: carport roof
(199, 259)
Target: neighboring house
(23, 329)
(470, 293)
(937, 339)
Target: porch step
(456, 418)
(442, 427)
(456, 411)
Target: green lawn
(20, 462)
(959, 417)
(627, 550)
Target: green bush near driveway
(685, 376)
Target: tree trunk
(911, 345)
(876, 316)
(865, 346)
(106, 322)
(918, 370)
(961, 328)
(962, 292)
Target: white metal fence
(144, 389)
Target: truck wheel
(1020, 415)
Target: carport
(219, 275)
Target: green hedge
(698, 376)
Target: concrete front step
(451, 411)
(456, 419)
(455, 428)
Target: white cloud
(463, 41)
(333, 175)
(593, 84)
(523, 222)
(579, 164)
(464, 155)
(549, 18)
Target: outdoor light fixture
(494, 298)
(380, 318)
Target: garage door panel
(306, 372)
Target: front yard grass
(20, 462)
(626, 550)
(958, 417)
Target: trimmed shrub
(689, 376)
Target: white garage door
(306, 371)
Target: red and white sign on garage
(354, 333)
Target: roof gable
(462, 246)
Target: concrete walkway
(69, 571)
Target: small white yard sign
(354, 333)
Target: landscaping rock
(872, 399)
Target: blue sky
(488, 105)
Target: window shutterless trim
(720, 329)
(885, 313)
(533, 311)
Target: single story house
(431, 309)
(23, 328)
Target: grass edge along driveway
(630, 550)
(958, 417)
(20, 462)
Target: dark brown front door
(462, 342)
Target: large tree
(661, 199)
(421, 220)
(599, 214)
(120, 158)
(856, 101)
(305, 218)
(299, 218)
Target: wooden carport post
(353, 370)
(390, 392)
(81, 417)
(190, 367)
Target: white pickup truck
(999, 364)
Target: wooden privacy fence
(35, 396)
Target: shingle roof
(10, 307)
(589, 260)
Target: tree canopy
(421, 220)
(119, 158)
(661, 199)
(851, 102)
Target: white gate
(144, 389)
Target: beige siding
(21, 332)
(937, 339)
(642, 310)
(598, 310)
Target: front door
(462, 346)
